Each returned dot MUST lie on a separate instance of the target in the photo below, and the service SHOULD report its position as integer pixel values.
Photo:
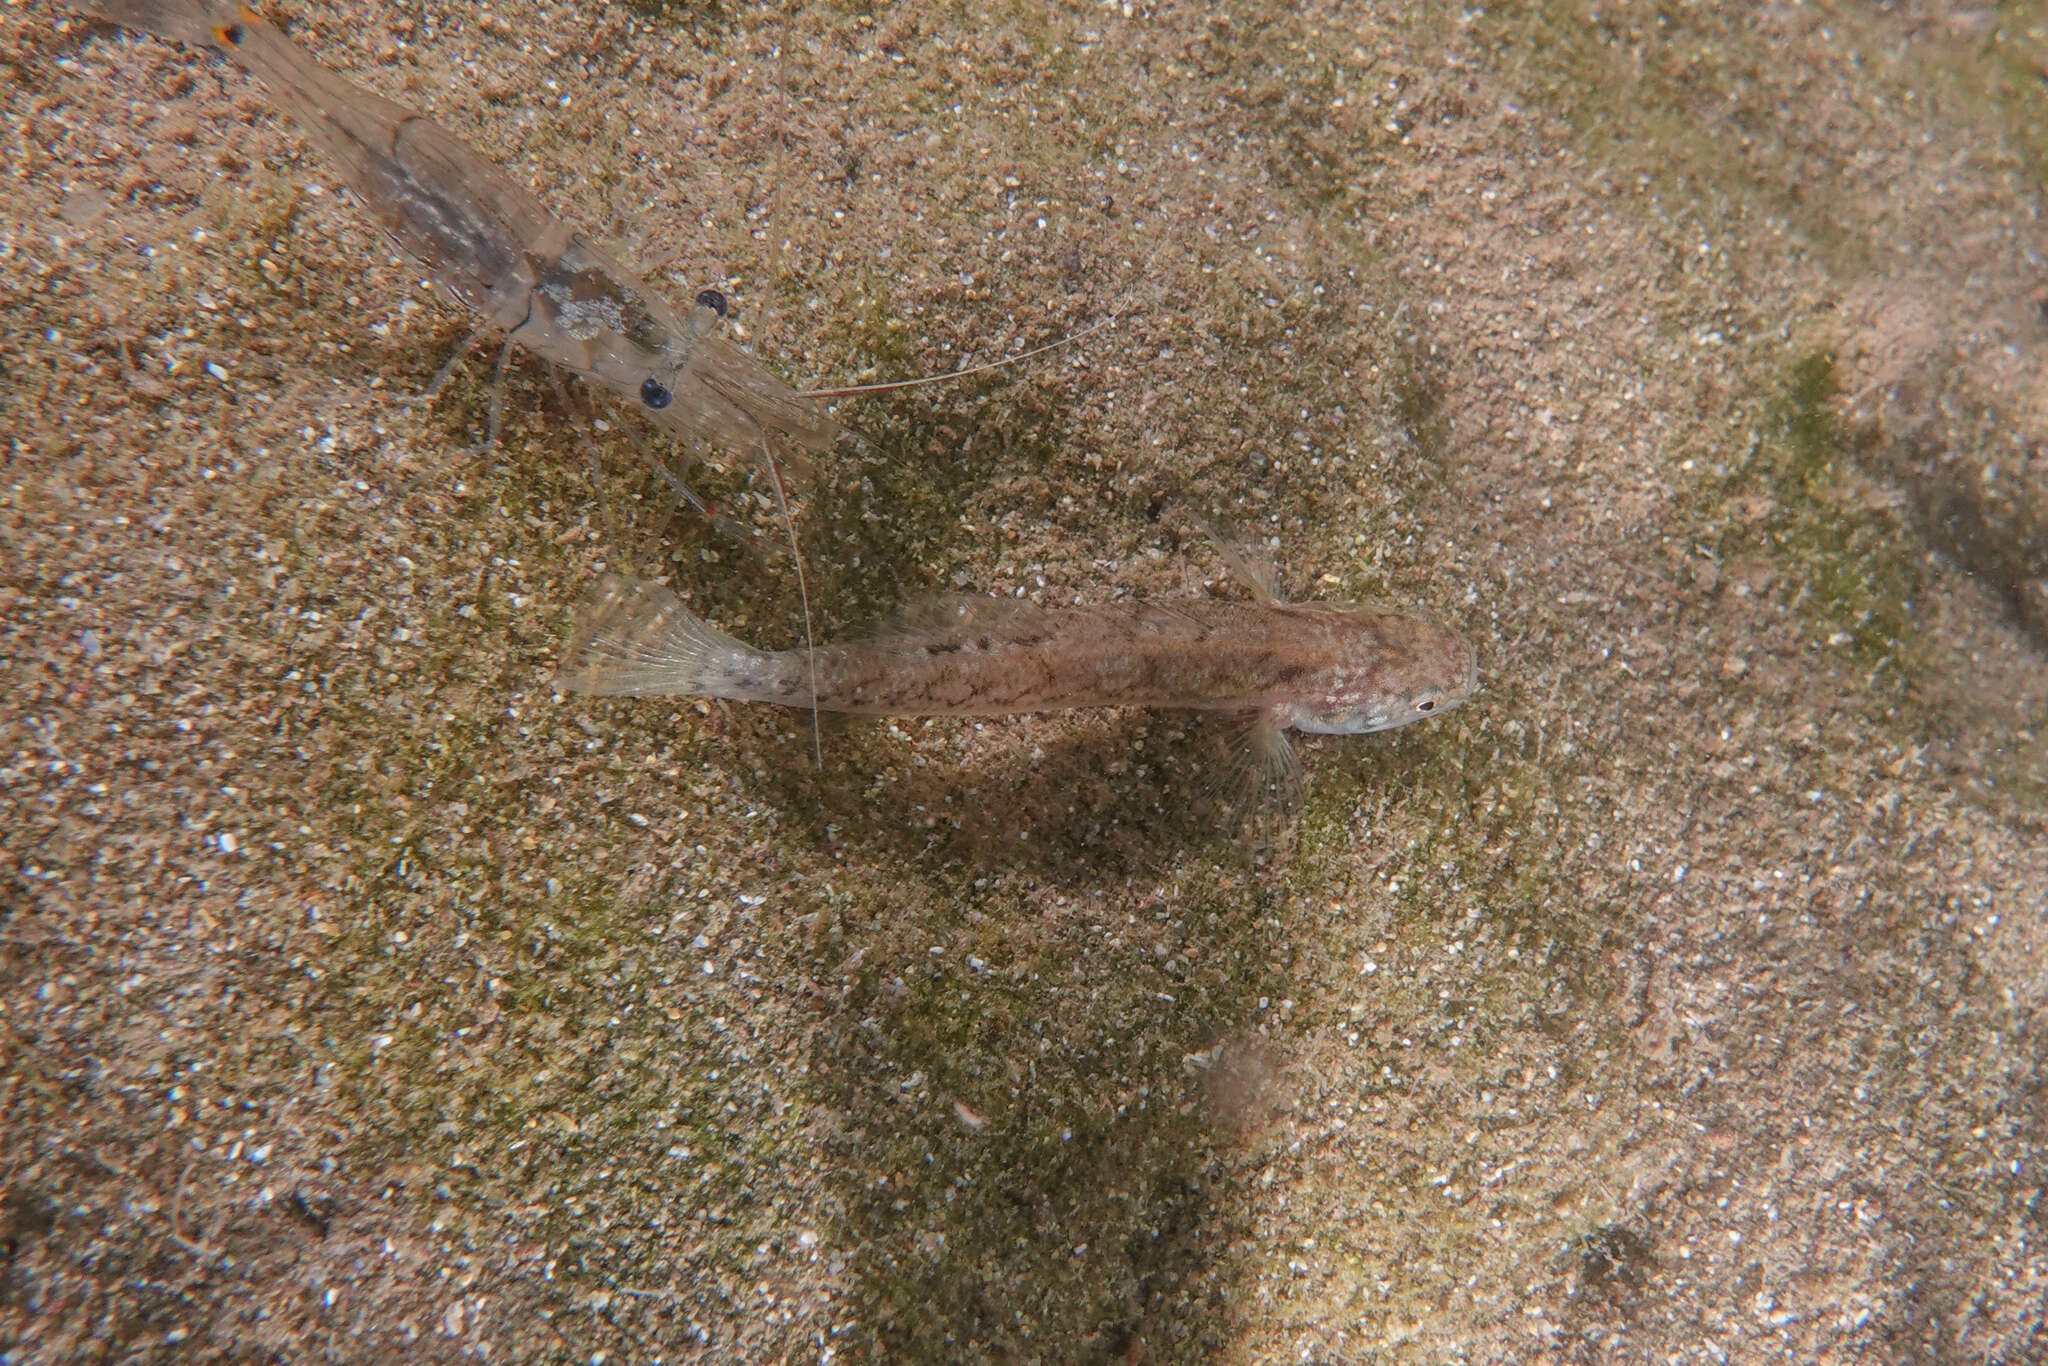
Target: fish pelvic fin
(636, 639)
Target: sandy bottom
(1678, 1000)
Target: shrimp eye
(1426, 704)
(713, 300)
(654, 395)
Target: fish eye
(713, 300)
(1427, 704)
(654, 395)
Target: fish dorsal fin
(953, 616)
(1250, 565)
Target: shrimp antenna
(951, 375)
(803, 593)
(796, 554)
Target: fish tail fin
(636, 639)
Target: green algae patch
(893, 519)
(1031, 1150)
(1856, 576)
(1856, 569)
(1996, 57)
(702, 18)
(1683, 101)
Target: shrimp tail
(180, 21)
(636, 639)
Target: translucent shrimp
(493, 248)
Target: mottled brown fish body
(998, 660)
(1318, 667)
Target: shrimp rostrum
(492, 247)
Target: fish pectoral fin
(1264, 779)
